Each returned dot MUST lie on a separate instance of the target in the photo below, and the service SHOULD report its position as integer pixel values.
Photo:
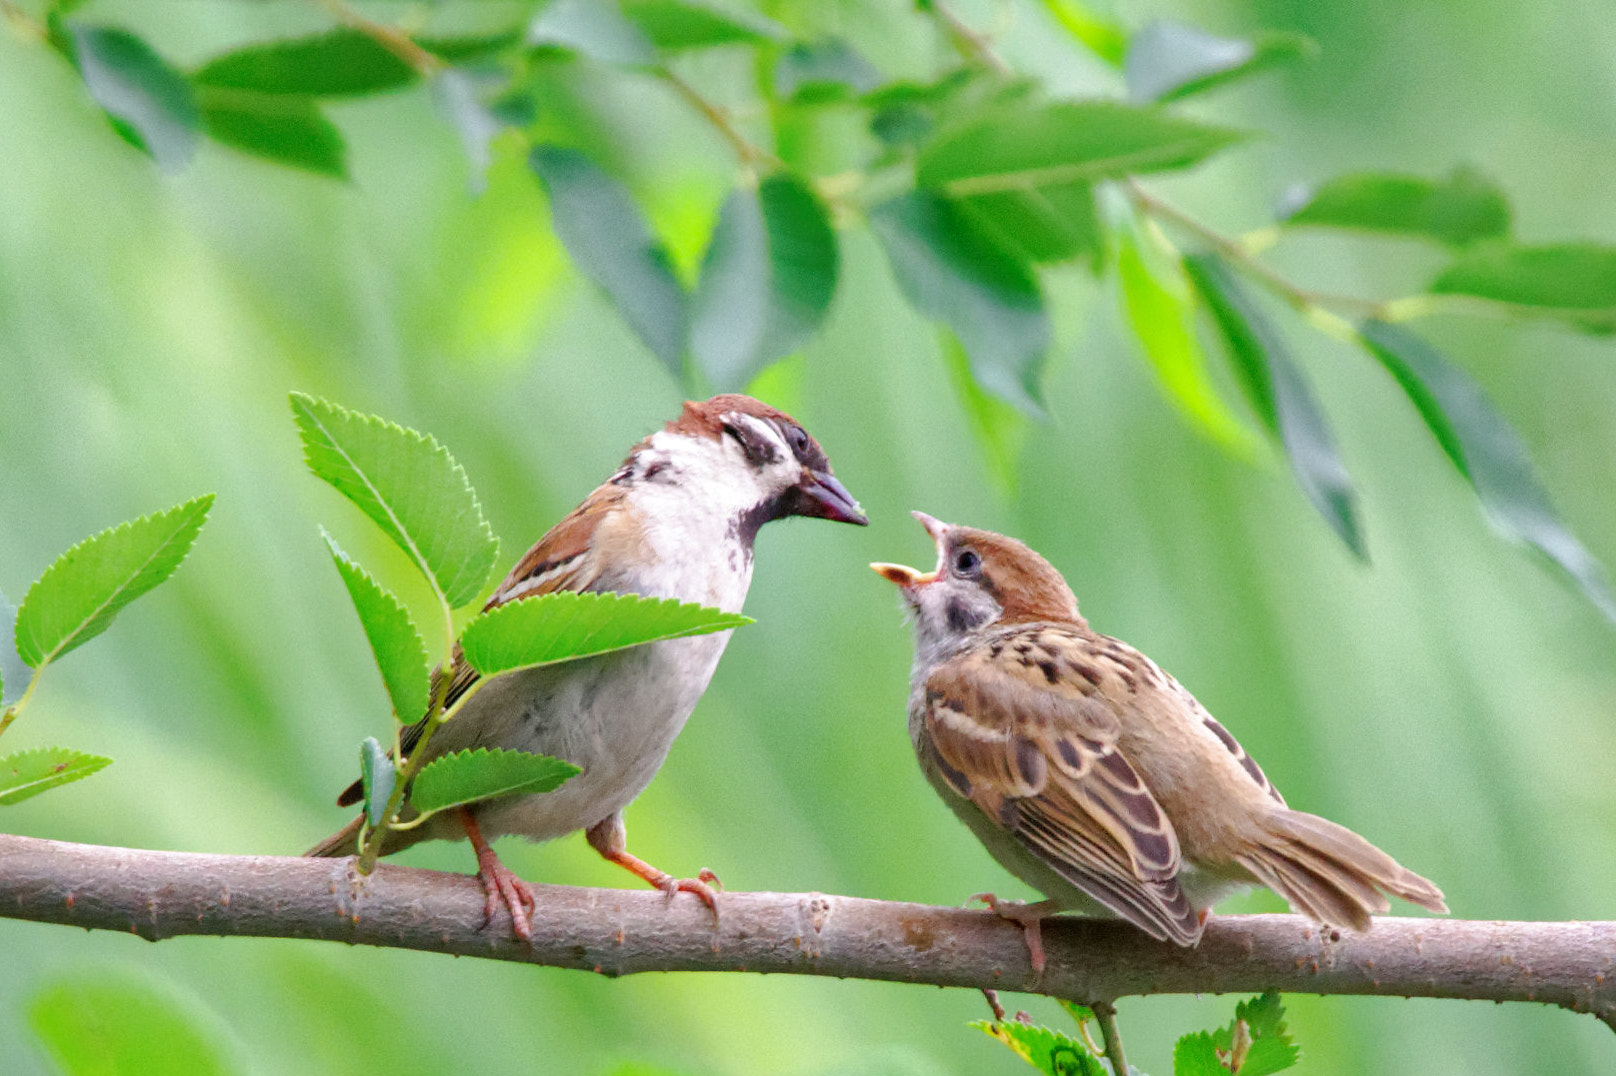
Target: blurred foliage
(1448, 700)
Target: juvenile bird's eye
(798, 439)
(967, 562)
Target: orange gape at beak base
(905, 577)
(910, 578)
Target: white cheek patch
(765, 445)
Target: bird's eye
(798, 439)
(967, 562)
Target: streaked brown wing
(1032, 741)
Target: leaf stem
(15, 708)
(1106, 1014)
(21, 21)
(1241, 256)
(390, 38)
(437, 715)
(751, 154)
(972, 44)
(1320, 308)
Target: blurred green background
(1453, 701)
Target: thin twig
(22, 21)
(971, 43)
(390, 38)
(749, 152)
(1106, 1014)
(1237, 254)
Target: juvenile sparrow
(677, 520)
(1093, 776)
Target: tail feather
(1332, 875)
(344, 842)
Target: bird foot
(1030, 918)
(500, 886)
(503, 887)
(705, 885)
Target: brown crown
(1026, 586)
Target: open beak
(819, 494)
(909, 578)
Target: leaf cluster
(979, 184)
(412, 489)
(1254, 1043)
(75, 600)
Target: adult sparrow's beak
(909, 578)
(819, 494)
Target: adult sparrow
(1092, 775)
(677, 520)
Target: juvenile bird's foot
(1030, 918)
(500, 885)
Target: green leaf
(377, 776)
(1269, 1047)
(609, 240)
(766, 283)
(1081, 1013)
(107, 1023)
(1046, 1050)
(1078, 141)
(1487, 452)
(1264, 1015)
(460, 102)
(1100, 34)
(825, 70)
(562, 626)
(469, 776)
(14, 673)
(339, 63)
(286, 130)
(1161, 312)
(1052, 223)
(954, 272)
(909, 113)
(681, 24)
(1281, 396)
(1169, 60)
(77, 597)
(150, 104)
(409, 485)
(1461, 209)
(1268, 1056)
(394, 640)
(1574, 281)
(1001, 429)
(1196, 1055)
(28, 773)
(593, 28)
(468, 48)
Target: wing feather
(1026, 728)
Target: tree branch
(619, 932)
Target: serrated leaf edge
(95, 764)
(310, 403)
(576, 600)
(495, 752)
(345, 560)
(201, 505)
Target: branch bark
(619, 932)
